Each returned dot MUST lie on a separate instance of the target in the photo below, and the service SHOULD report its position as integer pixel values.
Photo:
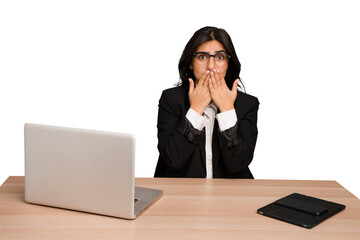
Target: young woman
(206, 127)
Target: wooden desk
(189, 209)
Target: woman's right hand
(199, 96)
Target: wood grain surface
(189, 209)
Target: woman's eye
(202, 56)
(220, 57)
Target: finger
(213, 79)
(221, 80)
(217, 77)
(207, 80)
(235, 84)
(203, 77)
(211, 87)
(191, 85)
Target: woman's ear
(191, 67)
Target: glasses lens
(202, 58)
(221, 59)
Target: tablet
(301, 210)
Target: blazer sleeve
(237, 144)
(177, 138)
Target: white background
(103, 65)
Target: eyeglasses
(203, 58)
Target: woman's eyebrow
(218, 51)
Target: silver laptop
(84, 170)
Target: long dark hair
(206, 34)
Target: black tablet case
(301, 210)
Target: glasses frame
(214, 55)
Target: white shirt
(226, 120)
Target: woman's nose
(211, 63)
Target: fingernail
(207, 71)
(218, 70)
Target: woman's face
(212, 47)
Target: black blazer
(182, 147)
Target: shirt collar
(213, 105)
(211, 108)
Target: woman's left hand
(220, 93)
